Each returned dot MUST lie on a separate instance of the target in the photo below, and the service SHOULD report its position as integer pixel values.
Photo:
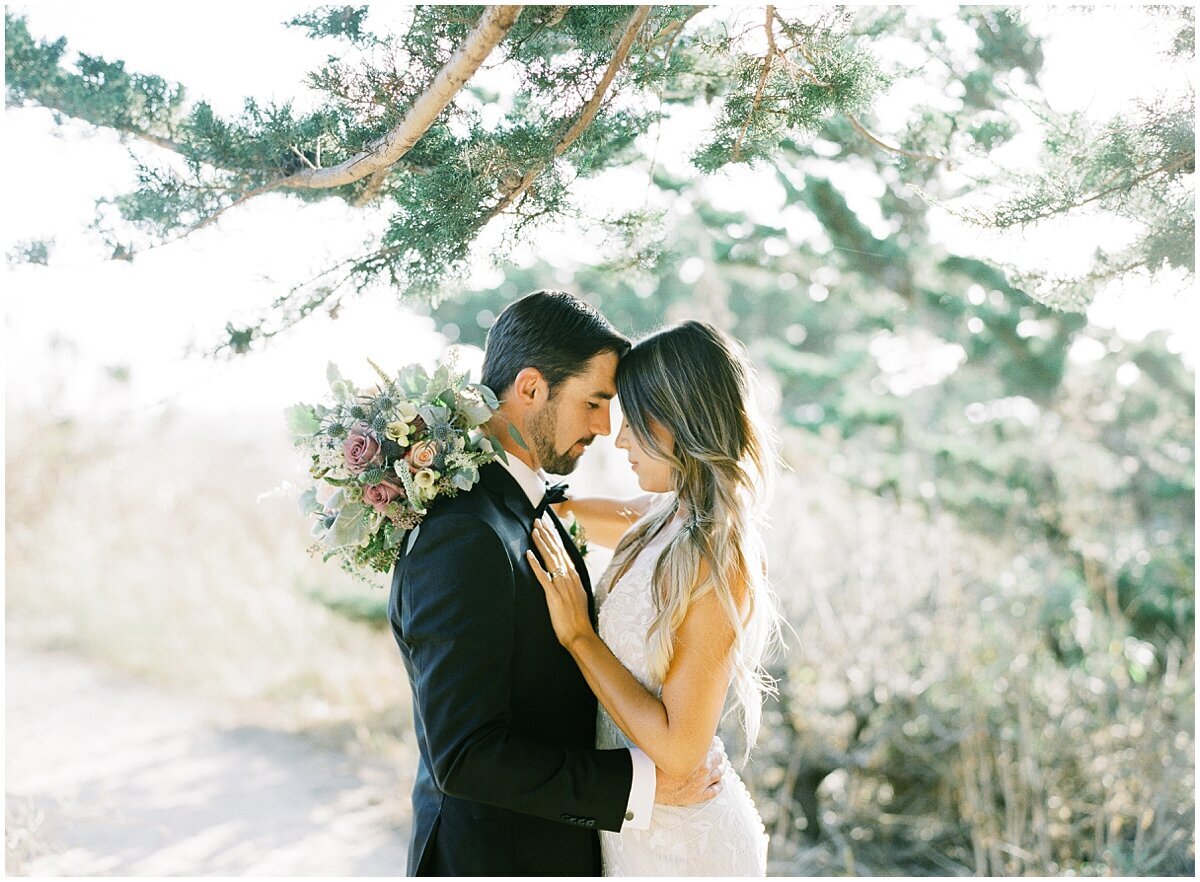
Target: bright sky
(143, 315)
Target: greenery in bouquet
(380, 457)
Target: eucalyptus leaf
(488, 396)
(498, 448)
(302, 420)
(433, 414)
(516, 436)
(413, 379)
(473, 407)
(350, 527)
(308, 504)
(441, 377)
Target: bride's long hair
(697, 383)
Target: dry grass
(927, 726)
(141, 544)
(23, 841)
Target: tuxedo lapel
(497, 479)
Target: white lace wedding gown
(721, 837)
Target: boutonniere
(575, 531)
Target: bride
(685, 609)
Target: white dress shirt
(641, 793)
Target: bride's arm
(605, 520)
(675, 731)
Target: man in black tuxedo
(510, 782)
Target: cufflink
(629, 816)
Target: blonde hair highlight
(696, 382)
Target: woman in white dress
(685, 611)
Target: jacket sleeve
(460, 599)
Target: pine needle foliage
(567, 93)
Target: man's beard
(543, 426)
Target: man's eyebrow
(607, 396)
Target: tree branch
(808, 57)
(212, 218)
(165, 143)
(762, 83)
(1161, 170)
(586, 114)
(491, 28)
(381, 156)
(861, 129)
(303, 158)
(556, 14)
(292, 307)
(374, 186)
(671, 32)
(800, 68)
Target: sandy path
(107, 776)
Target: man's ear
(530, 386)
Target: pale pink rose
(421, 455)
(379, 495)
(361, 449)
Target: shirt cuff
(641, 794)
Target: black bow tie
(554, 493)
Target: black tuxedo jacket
(509, 781)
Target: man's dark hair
(553, 331)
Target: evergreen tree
(435, 150)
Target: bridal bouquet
(380, 457)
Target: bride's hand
(565, 595)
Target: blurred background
(984, 538)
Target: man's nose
(602, 424)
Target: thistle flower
(443, 433)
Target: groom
(509, 781)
